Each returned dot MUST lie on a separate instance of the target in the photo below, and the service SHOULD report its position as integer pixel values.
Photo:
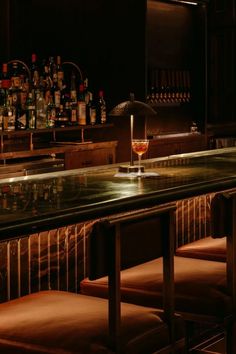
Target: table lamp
(131, 109)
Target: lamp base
(130, 169)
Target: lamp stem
(131, 138)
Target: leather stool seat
(200, 286)
(212, 249)
(61, 322)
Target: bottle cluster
(169, 86)
(42, 97)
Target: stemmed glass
(139, 147)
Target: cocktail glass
(139, 147)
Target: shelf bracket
(31, 142)
(2, 144)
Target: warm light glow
(187, 2)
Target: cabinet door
(166, 147)
(83, 159)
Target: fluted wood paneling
(56, 259)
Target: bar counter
(35, 203)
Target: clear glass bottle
(9, 116)
(34, 71)
(101, 108)
(41, 112)
(51, 113)
(31, 111)
(21, 119)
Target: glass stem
(139, 164)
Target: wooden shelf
(59, 149)
(30, 150)
(53, 130)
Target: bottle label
(57, 98)
(60, 75)
(103, 116)
(6, 84)
(73, 117)
(73, 95)
(15, 81)
(92, 113)
(81, 113)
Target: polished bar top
(34, 203)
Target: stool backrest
(105, 250)
(223, 216)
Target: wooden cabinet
(91, 155)
(171, 145)
(32, 151)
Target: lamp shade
(132, 107)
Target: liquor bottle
(41, 111)
(30, 112)
(2, 94)
(21, 119)
(101, 108)
(34, 71)
(91, 111)
(73, 90)
(47, 80)
(86, 92)
(51, 113)
(9, 115)
(6, 82)
(15, 89)
(55, 91)
(1, 117)
(81, 106)
(60, 72)
(73, 113)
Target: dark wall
(105, 38)
(4, 29)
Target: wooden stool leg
(231, 338)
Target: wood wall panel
(222, 13)
(222, 76)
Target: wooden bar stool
(212, 247)
(61, 322)
(209, 248)
(204, 289)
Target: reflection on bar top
(32, 203)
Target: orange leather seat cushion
(200, 286)
(207, 248)
(61, 322)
